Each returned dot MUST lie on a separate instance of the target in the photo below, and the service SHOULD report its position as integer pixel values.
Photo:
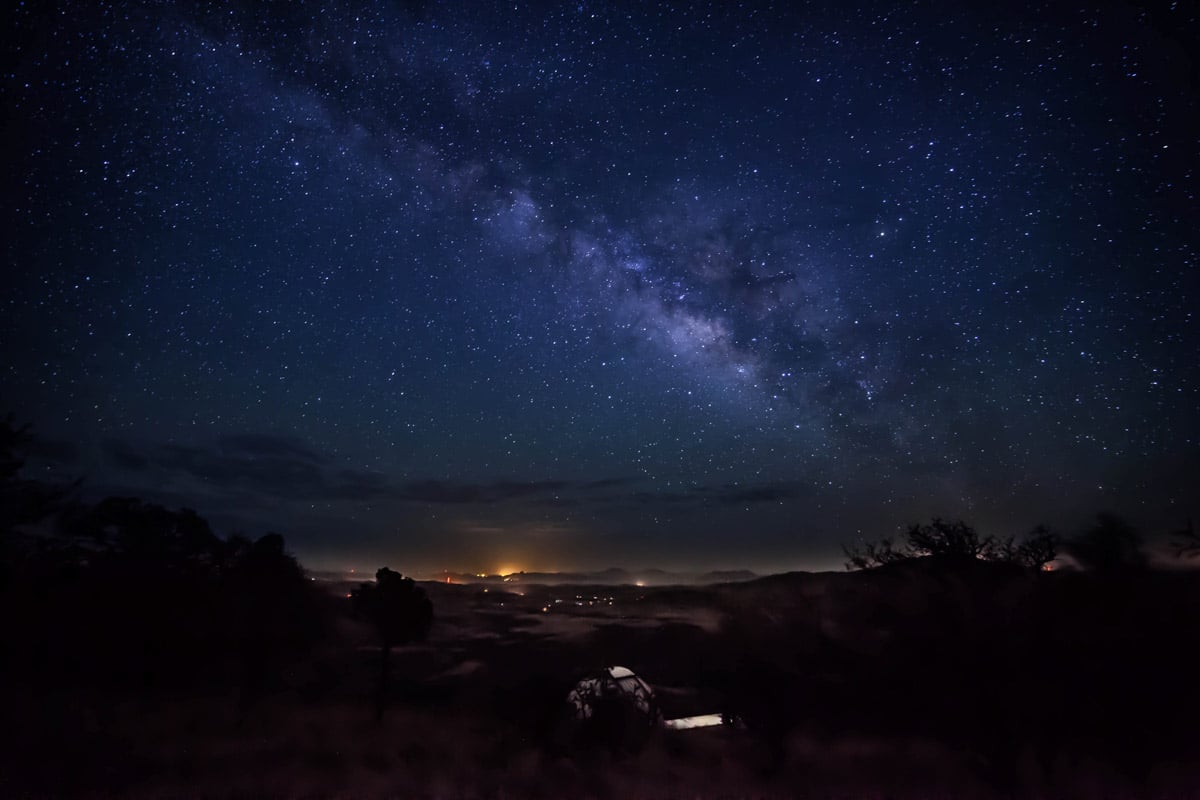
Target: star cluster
(589, 284)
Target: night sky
(489, 286)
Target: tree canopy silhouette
(126, 592)
(144, 535)
(1038, 549)
(954, 541)
(1110, 544)
(401, 613)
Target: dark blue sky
(566, 285)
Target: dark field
(906, 681)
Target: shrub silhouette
(401, 613)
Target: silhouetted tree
(872, 554)
(1186, 542)
(401, 613)
(1039, 548)
(944, 539)
(140, 536)
(955, 541)
(948, 540)
(271, 608)
(1111, 544)
(128, 593)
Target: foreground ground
(473, 711)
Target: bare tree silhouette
(954, 541)
(1038, 549)
(873, 554)
(401, 613)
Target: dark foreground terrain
(920, 679)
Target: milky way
(561, 285)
